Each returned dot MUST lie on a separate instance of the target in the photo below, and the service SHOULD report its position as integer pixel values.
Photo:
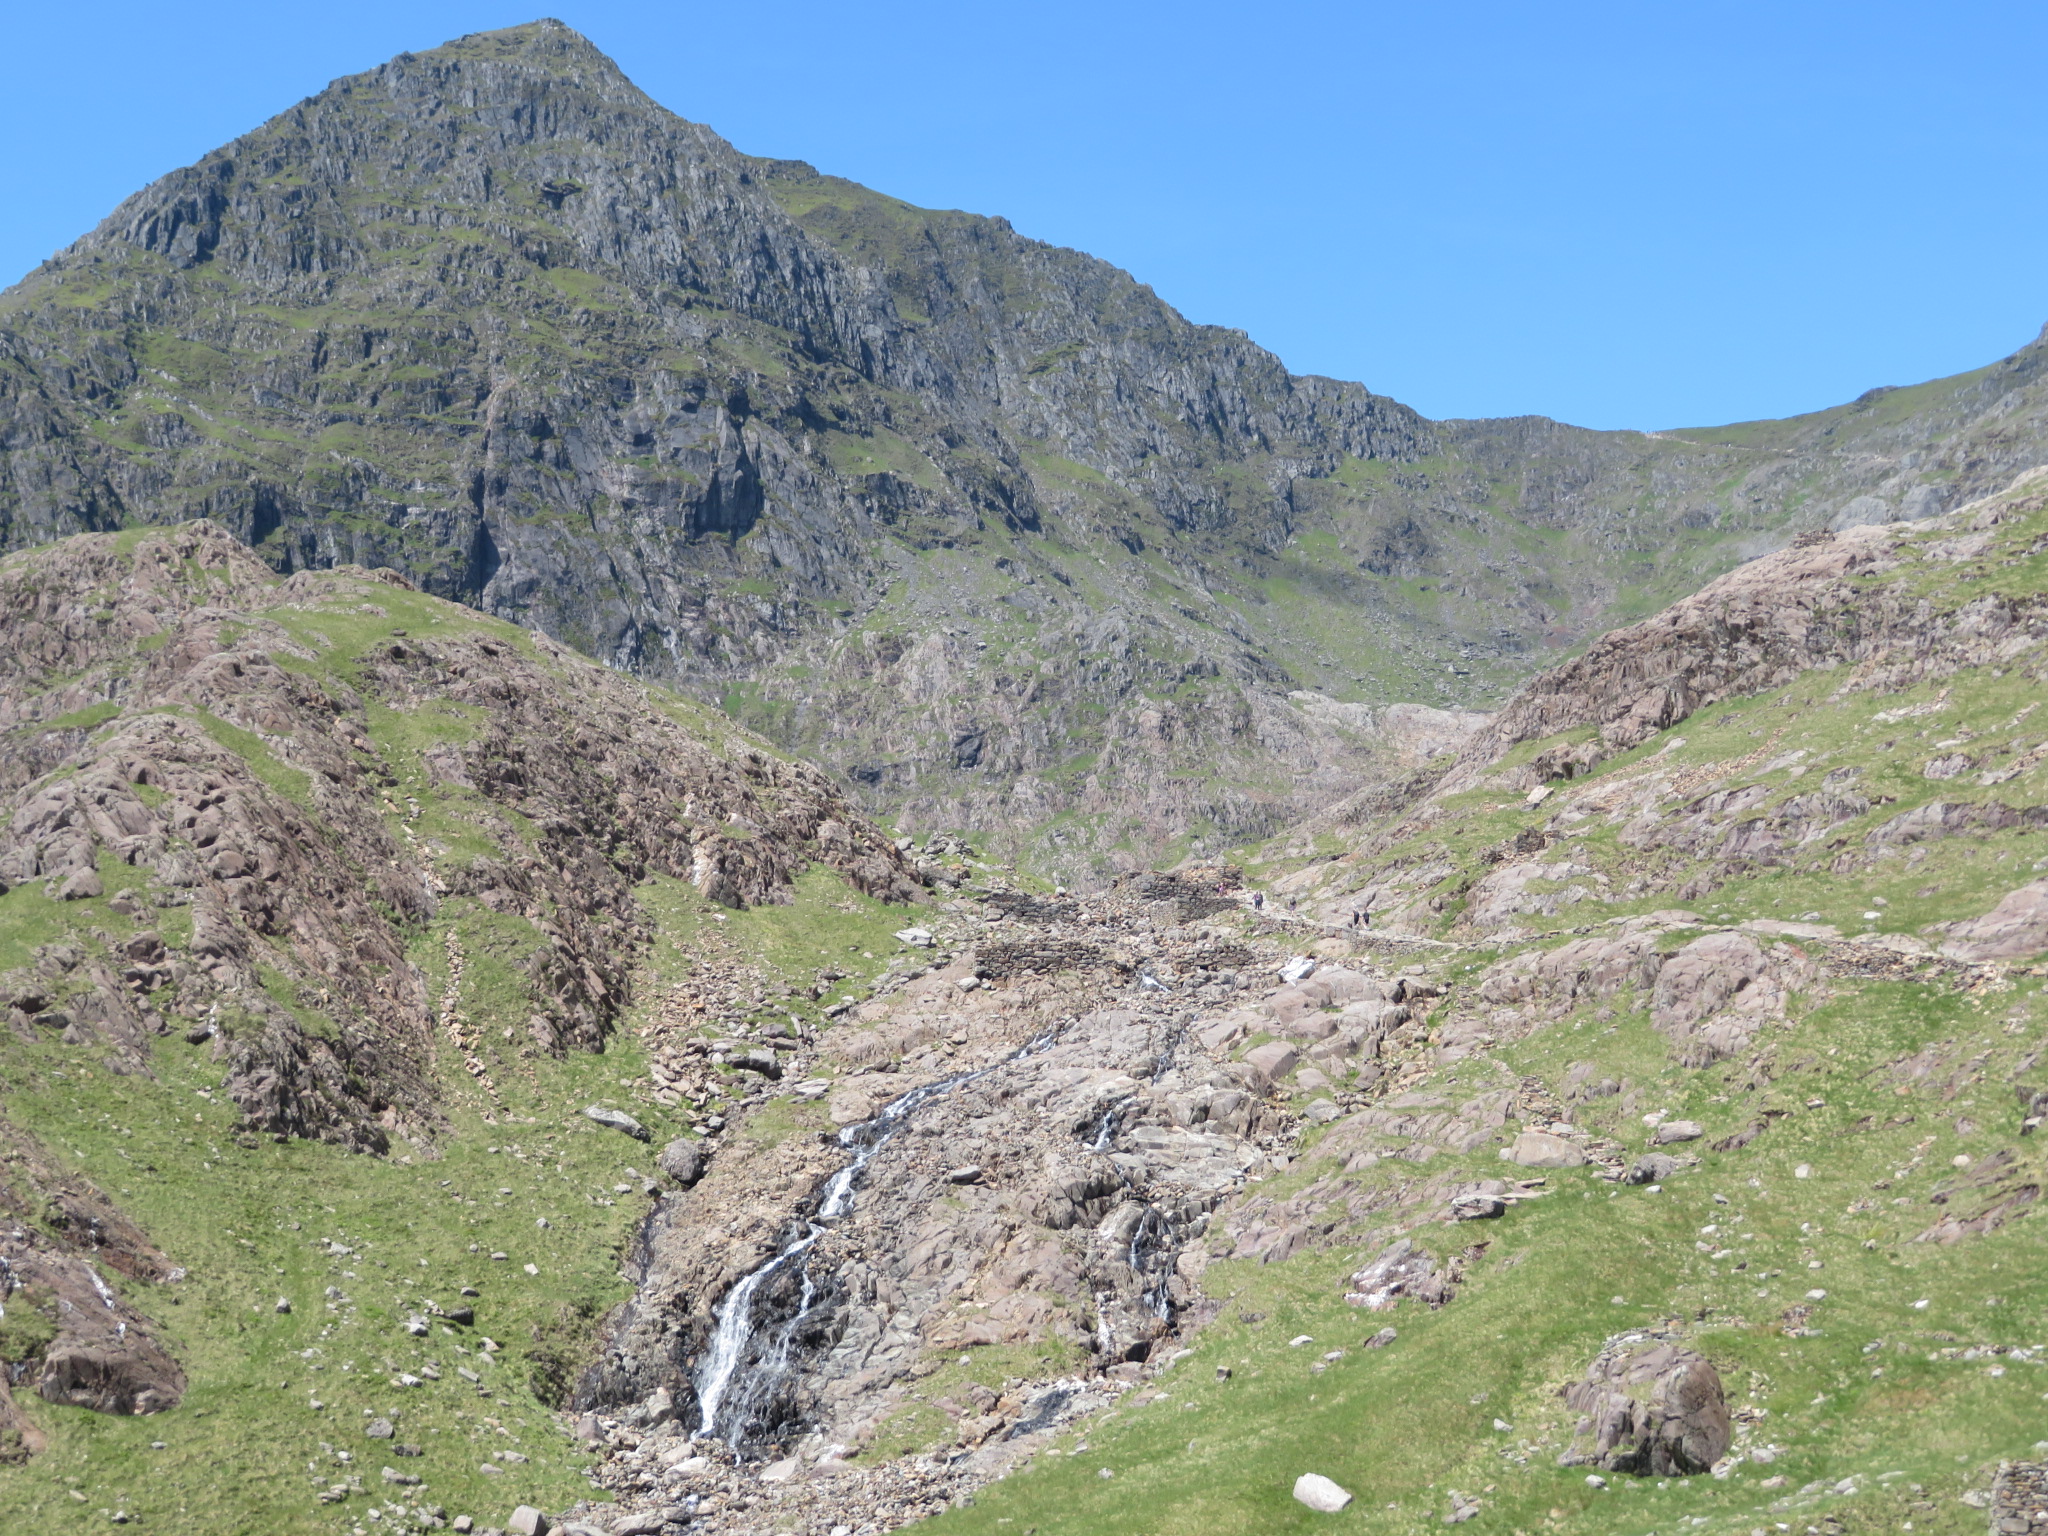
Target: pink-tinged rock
(1289, 1004)
(1273, 1060)
(1540, 1149)
(849, 1106)
(2017, 926)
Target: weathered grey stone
(1401, 1271)
(649, 1522)
(1273, 1060)
(616, 1120)
(1651, 1168)
(527, 1521)
(682, 1160)
(762, 1061)
(1672, 1131)
(1649, 1407)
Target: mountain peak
(545, 40)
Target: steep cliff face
(490, 317)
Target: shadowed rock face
(1651, 1408)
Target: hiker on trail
(1258, 901)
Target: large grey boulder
(1651, 1168)
(1402, 1271)
(1649, 1407)
(682, 1160)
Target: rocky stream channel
(1037, 1142)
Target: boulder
(1652, 1168)
(757, 1060)
(682, 1160)
(1480, 1202)
(1401, 1270)
(616, 1120)
(1675, 1131)
(1540, 1149)
(1319, 1493)
(2017, 926)
(1273, 1060)
(1649, 1407)
(527, 1521)
(135, 1377)
(650, 1521)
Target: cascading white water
(735, 1327)
(1105, 1130)
(717, 1377)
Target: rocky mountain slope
(298, 869)
(978, 522)
(1662, 1150)
(1541, 1202)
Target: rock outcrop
(229, 771)
(1650, 1408)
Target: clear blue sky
(1620, 215)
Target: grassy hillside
(1850, 1240)
(310, 1288)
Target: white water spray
(717, 1376)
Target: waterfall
(1152, 1238)
(1105, 1129)
(724, 1395)
(735, 1329)
(740, 1367)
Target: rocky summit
(691, 853)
